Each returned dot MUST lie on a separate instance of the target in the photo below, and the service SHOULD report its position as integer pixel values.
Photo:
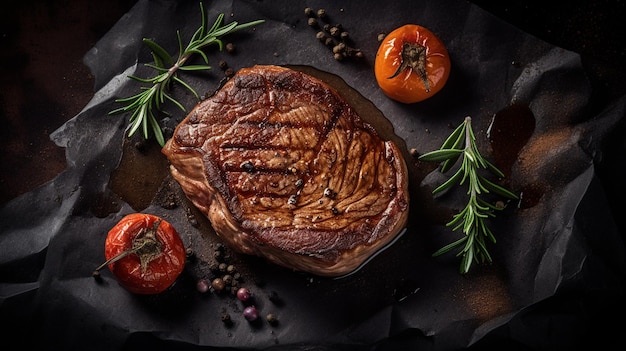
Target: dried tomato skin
(161, 272)
(407, 86)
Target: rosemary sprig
(153, 97)
(472, 247)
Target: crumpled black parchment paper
(562, 242)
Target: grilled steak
(286, 170)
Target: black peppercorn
(218, 255)
(292, 200)
(328, 192)
(274, 298)
(333, 36)
(218, 284)
(230, 269)
(214, 267)
(247, 166)
(338, 49)
(271, 318)
(222, 267)
(226, 319)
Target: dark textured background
(43, 82)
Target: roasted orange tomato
(145, 253)
(412, 64)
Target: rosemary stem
(469, 150)
(172, 70)
(182, 60)
(468, 134)
(142, 105)
(472, 247)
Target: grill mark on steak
(285, 169)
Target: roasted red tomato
(412, 64)
(145, 253)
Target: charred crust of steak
(286, 170)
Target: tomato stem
(413, 57)
(145, 244)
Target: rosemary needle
(142, 105)
(472, 247)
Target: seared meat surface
(286, 170)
